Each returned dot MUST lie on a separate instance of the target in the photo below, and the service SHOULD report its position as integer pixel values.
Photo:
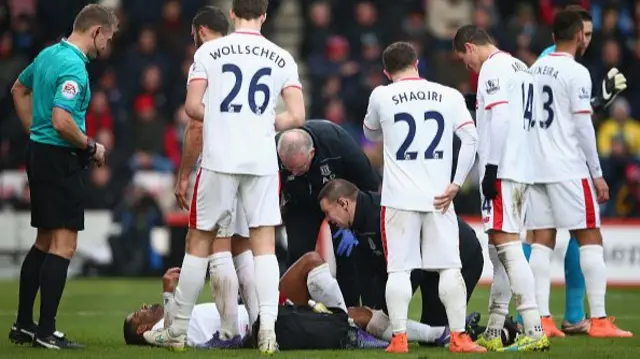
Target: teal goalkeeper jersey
(547, 51)
(57, 77)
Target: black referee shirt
(366, 227)
(337, 155)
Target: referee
(51, 97)
(310, 157)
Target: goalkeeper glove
(489, 189)
(612, 85)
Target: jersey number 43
(254, 87)
(430, 153)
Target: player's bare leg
(510, 254)
(542, 245)
(245, 270)
(595, 276)
(310, 278)
(267, 275)
(224, 290)
(190, 283)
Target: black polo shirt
(337, 155)
(366, 227)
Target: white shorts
(567, 205)
(427, 240)
(239, 225)
(215, 197)
(506, 212)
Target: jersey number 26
(254, 87)
(430, 153)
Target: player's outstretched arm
(294, 115)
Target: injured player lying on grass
(308, 278)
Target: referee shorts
(56, 185)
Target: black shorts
(433, 312)
(56, 185)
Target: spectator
(172, 30)
(152, 86)
(444, 17)
(100, 192)
(336, 61)
(141, 56)
(99, 115)
(318, 30)
(11, 63)
(366, 24)
(620, 127)
(627, 199)
(611, 57)
(149, 137)
(24, 39)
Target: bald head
(295, 149)
(294, 142)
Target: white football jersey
(417, 119)
(563, 89)
(505, 81)
(246, 73)
(205, 322)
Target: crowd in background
(139, 87)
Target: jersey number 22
(254, 87)
(430, 153)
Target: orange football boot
(604, 328)
(549, 327)
(462, 343)
(399, 344)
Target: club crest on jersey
(492, 86)
(326, 173)
(584, 94)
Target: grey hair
(293, 142)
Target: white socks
(540, 263)
(595, 278)
(224, 288)
(453, 295)
(324, 288)
(522, 285)
(500, 296)
(192, 275)
(267, 277)
(398, 295)
(245, 271)
(380, 327)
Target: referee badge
(69, 89)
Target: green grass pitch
(93, 310)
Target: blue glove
(347, 242)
